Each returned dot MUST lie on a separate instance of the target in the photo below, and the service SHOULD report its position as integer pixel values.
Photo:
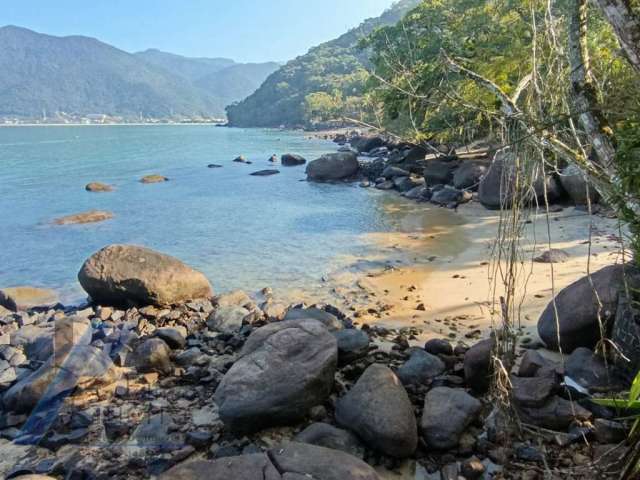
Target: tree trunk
(585, 100)
(626, 24)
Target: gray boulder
(127, 274)
(379, 411)
(330, 321)
(421, 368)
(574, 183)
(477, 365)
(367, 143)
(291, 159)
(298, 461)
(556, 414)
(533, 391)
(469, 174)
(284, 369)
(243, 467)
(152, 355)
(496, 188)
(590, 371)
(405, 184)
(352, 345)
(439, 172)
(332, 167)
(577, 308)
(447, 413)
(392, 172)
(227, 319)
(449, 195)
(328, 436)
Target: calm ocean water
(241, 231)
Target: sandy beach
(437, 274)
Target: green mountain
(222, 78)
(46, 75)
(80, 75)
(331, 72)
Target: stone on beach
(378, 410)
(447, 413)
(284, 369)
(329, 320)
(132, 275)
(469, 174)
(154, 179)
(421, 368)
(477, 365)
(332, 167)
(92, 216)
(98, 187)
(25, 298)
(328, 436)
(574, 183)
(578, 311)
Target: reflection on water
(241, 231)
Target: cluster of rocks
(448, 177)
(167, 379)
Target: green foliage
(335, 66)
(632, 402)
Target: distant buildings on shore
(62, 118)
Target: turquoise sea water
(241, 231)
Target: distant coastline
(139, 124)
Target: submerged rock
(379, 411)
(128, 274)
(265, 173)
(154, 179)
(92, 216)
(98, 187)
(284, 369)
(332, 167)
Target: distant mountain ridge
(43, 74)
(334, 66)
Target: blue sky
(245, 30)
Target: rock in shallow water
(153, 179)
(92, 216)
(332, 167)
(285, 368)
(127, 274)
(98, 187)
(265, 173)
(379, 411)
(292, 159)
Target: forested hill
(332, 72)
(48, 76)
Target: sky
(244, 30)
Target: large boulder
(292, 159)
(447, 413)
(131, 275)
(255, 466)
(367, 143)
(577, 308)
(469, 174)
(333, 166)
(575, 184)
(379, 411)
(284, 369)
(496, 188)
(329, 320)
(439, 172)
(25, 298)
(298, 461)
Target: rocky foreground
(158, 377)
